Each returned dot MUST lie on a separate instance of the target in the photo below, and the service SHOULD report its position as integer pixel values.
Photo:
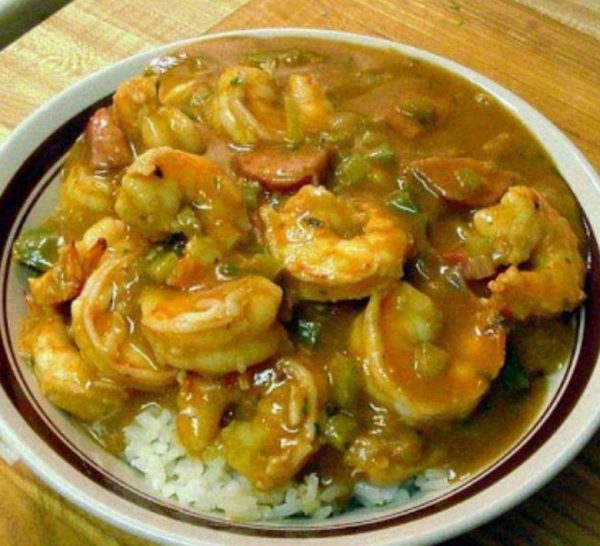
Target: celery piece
(343, 381)
(292, 121)
(251, 191)
(264, 265)
(265, 61)
(37, 248)
(229, 270)
(203, 250)
(401, 201)
(371, 138)
(383, 154)
(352, 170)
(159, 264)
(340, 430)
(188, 223)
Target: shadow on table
(19, 16)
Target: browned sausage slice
(108, 145)
(279, 169)
(464, 180)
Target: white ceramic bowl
(73, 465)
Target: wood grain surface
(546, 51)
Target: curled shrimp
(169, 126)
(524, 229)
(167, 191)
(314, 108)
(105, 327)
(214, 331)
(185, 85)
(85, 196)
(201, 404)
(246, 106)
(150, 124)
(76, 261)
(117, 236)
(387, 451)
(334, 249)
(65, 279)
(429, 357)
(134, 100)
(271, 446)
(66, 379)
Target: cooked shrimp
(148, 124)
(201, 404)
(277, 440)
(430, 358)
(85, 196)
(334, 249)
(185, 85)
(119, 239)
(525, 229)
(164, 188)
(65, 378)
(64, 280)
(76, 261)
(105, 328)
(246, 106)
(388, 451)
(169, 126)
(134, 99)
(464, 180)
(215, 331)
(315, 110)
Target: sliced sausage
(109, 148)
(464, 180)
(279, 169)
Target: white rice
(153, 448)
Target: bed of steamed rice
(152, 447)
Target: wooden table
(547, 51)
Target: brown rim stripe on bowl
(46, 159)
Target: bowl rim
(554, 141)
